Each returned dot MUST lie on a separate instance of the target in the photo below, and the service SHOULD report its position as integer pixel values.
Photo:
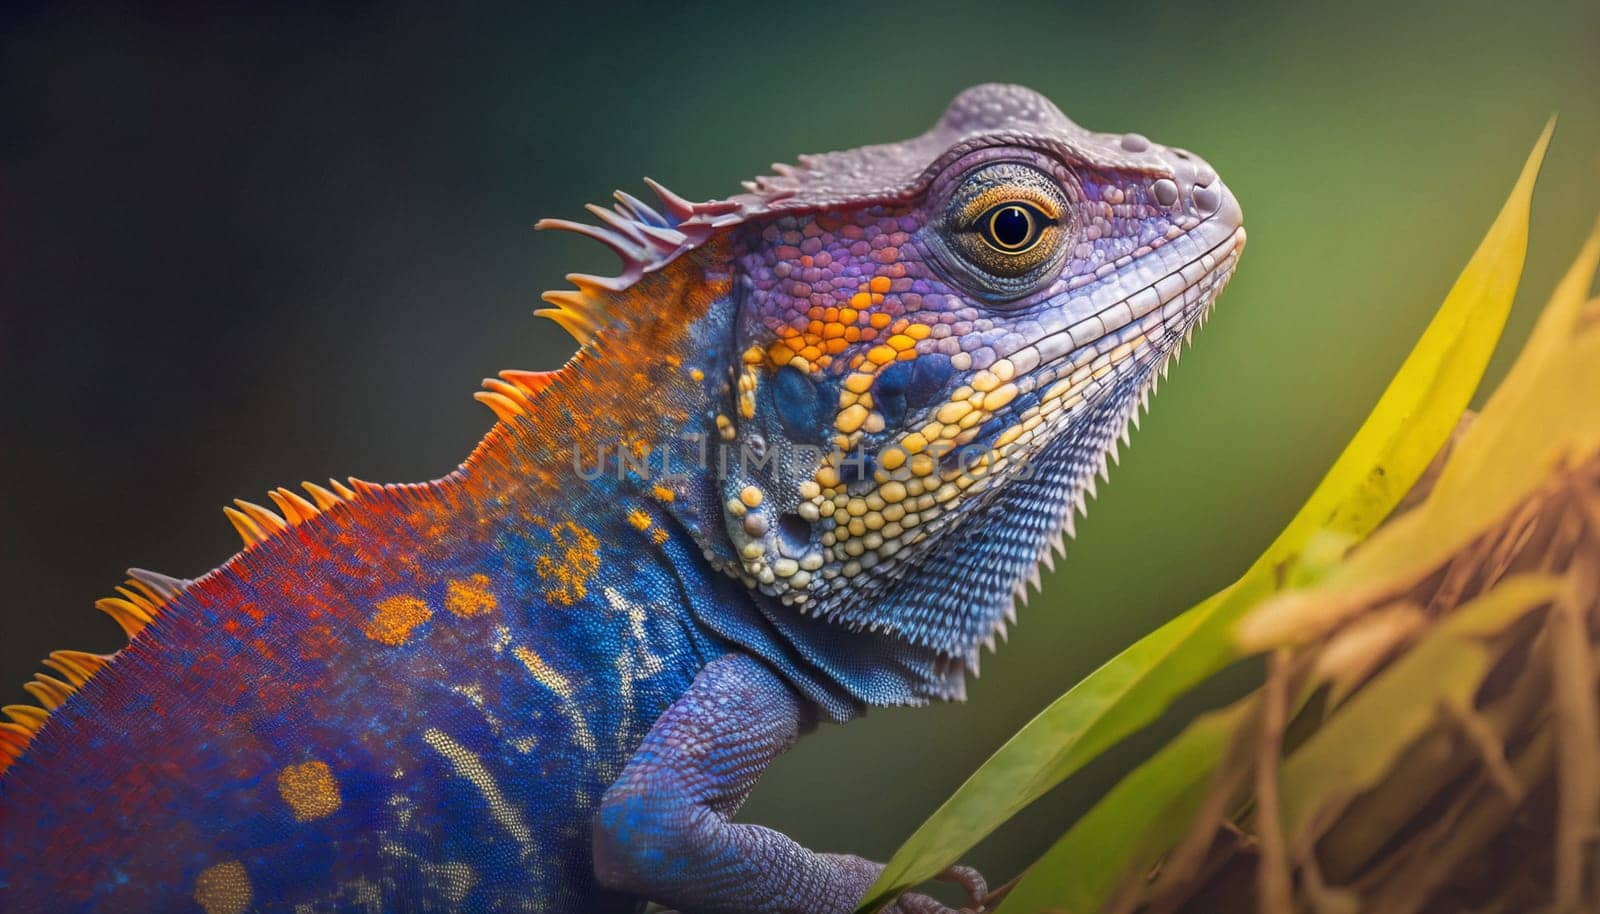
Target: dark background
(242, 248)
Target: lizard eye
(1012, 228)
(1006, 225)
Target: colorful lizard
(816, 441)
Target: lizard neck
(629, 437)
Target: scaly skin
(817, 439)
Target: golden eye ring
(1012, 228)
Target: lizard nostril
(1165, 191)
(1206, 199)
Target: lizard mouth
(1074, 361)
(1093, 346)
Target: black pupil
(1011, 227)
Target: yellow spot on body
(470, 597)
(223, 888)
(663, 493)
(951, 413)
(472, 770)
(850, 418)
(749, 380)
(780, 354)
(456, 880)
(552, 679)
(395, 619)
(661, 536)
(547, 675)
(880, 284)
(751, 496)
(310, 790)
(859, 382)
(639, 519)
(572, 560)
(881, 355)
(697, 374)
(999, 397)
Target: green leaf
(1142, 818)
(1411, 422)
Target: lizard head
(935, 346)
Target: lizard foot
(971, 882)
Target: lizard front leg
(663, 829)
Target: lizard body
(816, 441)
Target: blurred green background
(242, 248)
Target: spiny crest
(511, 394)
(146, 594)
(643, 238)
(257, 524)
(139, 601)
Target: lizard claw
(971, 882)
